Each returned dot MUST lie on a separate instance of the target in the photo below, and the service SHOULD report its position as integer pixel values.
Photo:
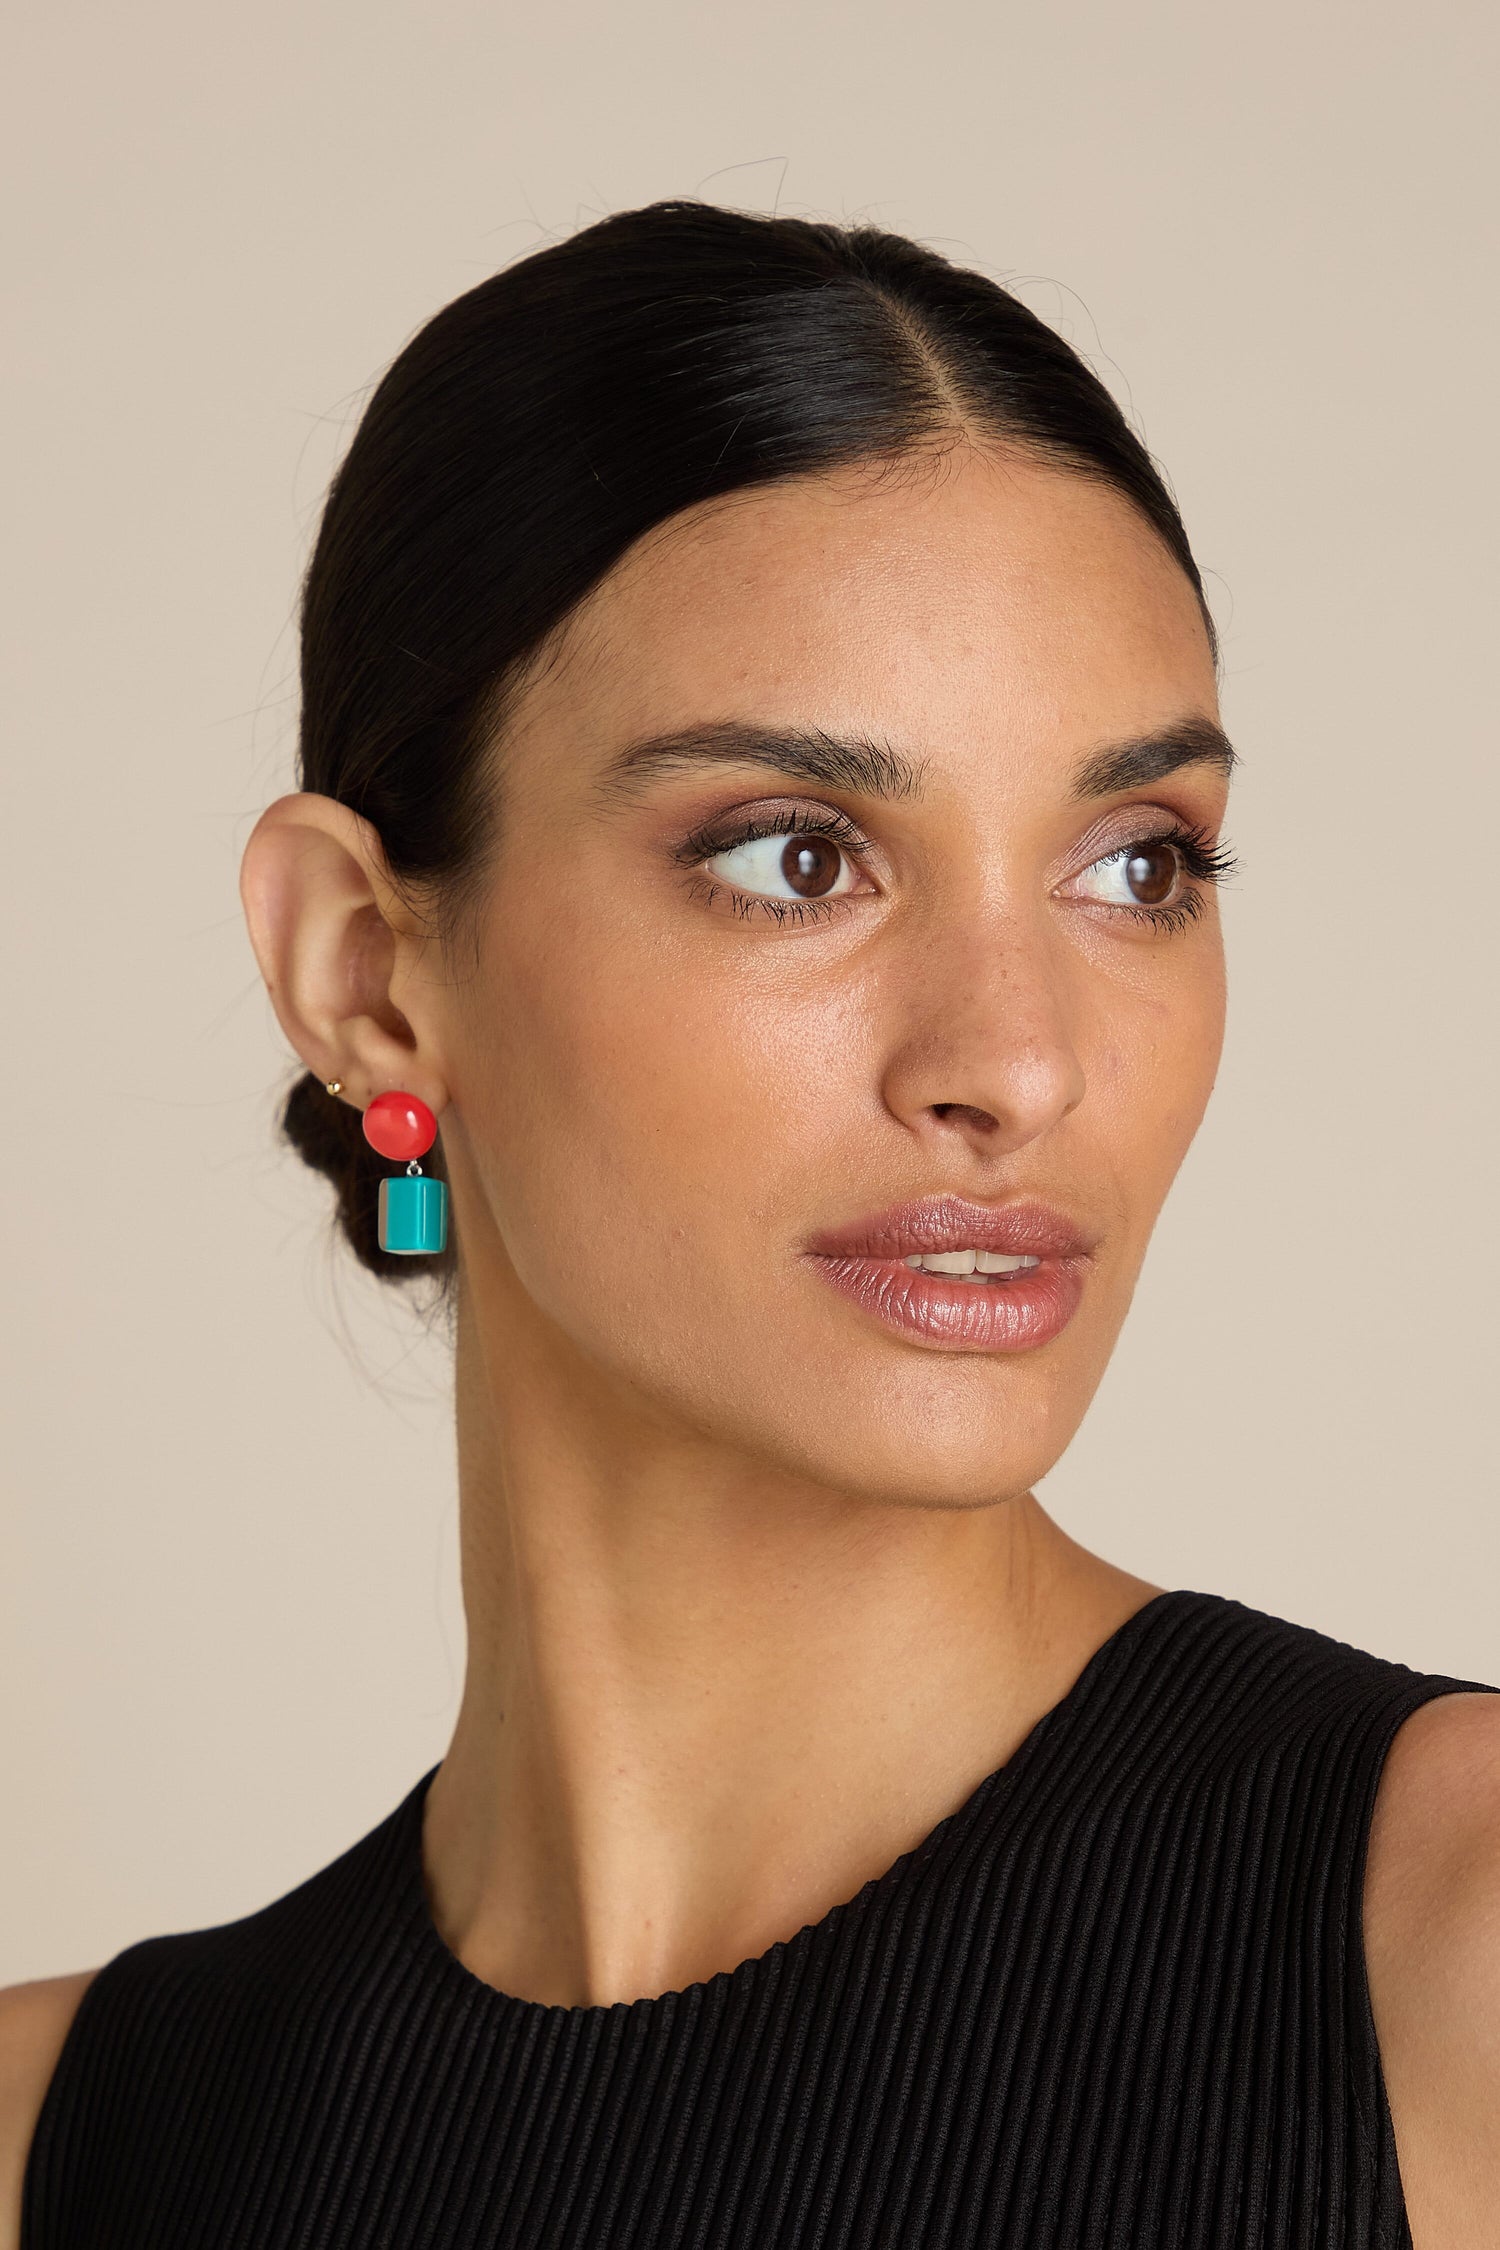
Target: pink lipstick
(962, 1276)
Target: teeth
(967, 1264)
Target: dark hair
(540, 424)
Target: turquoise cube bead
(413, 1215)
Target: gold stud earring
(335, 1085)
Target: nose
(983, 1045)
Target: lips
(1014, 1312)
(951, 1222)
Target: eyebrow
(1151, 757)
(830, 761)
(866, 768)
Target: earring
(413, 1214)
(334, 1085)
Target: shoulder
(1432, 1951)
(34, 2021)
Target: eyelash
(1203, 860)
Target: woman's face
(814, 944)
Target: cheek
(644, 1118)
(1151, 1075)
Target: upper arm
(34, 2021)
(1432, 1951)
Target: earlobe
(322, 914)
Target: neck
(704, 1702)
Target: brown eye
(1151, 872)
(802, 864)
(811, 865)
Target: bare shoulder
(1432, 1947)
(34, 2021)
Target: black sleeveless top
(1116, 1999)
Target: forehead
(977, 598)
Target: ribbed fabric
(1116, 1999)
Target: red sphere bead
(400, 1126)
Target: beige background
(230, 1637)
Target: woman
(762, 791)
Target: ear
(334, 939)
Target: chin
(810, 1390)
(928, 1443)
